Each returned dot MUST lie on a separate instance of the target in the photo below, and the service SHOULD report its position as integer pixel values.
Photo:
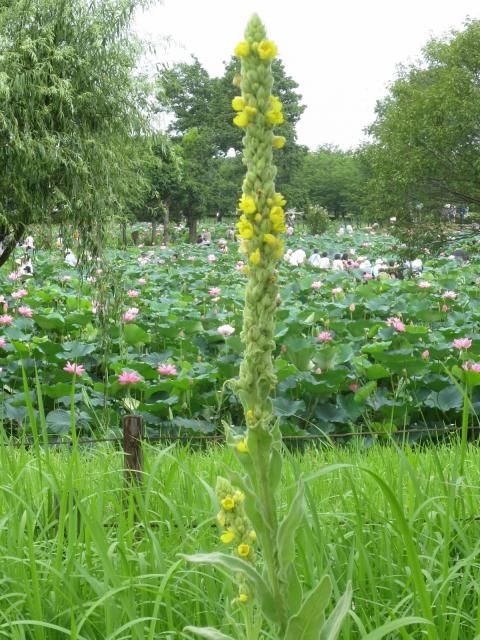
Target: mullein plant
(267, 579)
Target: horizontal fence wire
(218, 438)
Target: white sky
(342, 53)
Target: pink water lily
(353, 387)
(337, 290)
(167, 370)
(324, 336)
(426, 354)
(424, 284)
(3, 342)
(74, 368)
(462, 343)
(214, 291)
(449, 295)
(130, 314)
(14, 275)
(396, 324)
(6, 319)
(66, 278)
(316, 285)
(211, 257)
(351, 307)
(471, 366)
(133, 293)
(21, 293)
(129, 377)
(141, 281)
(226, 330)
(25, 311)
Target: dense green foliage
(71, 113)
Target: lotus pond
(157, 332)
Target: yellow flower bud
(249, 415)
(258, 217)
(270, 239)
(227, 537)
(242, 50)
(243, 550)
(228, 503)
(252, 535)
(241, 119)
(242, 446)
(267, 50)
(255, 257)
(221, 518)
(238, 496)
(278, 142)
(279, 200)
(250, 111)
(238, 103)
(243, 598)
(276, 103)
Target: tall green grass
(81, 558)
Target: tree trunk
(192, 229)
(154, 232)
(123, 231)
(166, 223)
(11, 242)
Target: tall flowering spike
(262, 222)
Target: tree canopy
(72, 111)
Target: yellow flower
(274, 117)
(228, 503)
(279, 200)
(247, 204)
(243, 550)
(238, 103)
(241, 119)
(242, 446)
(267, 50)
(238, 496)
(250, 111)
(227, 537)
(255, 257)
(249, 414)
(277, 218)
(270, 239)
(243, 598)
(242, 50)
(275, 103)
(221, 518)
(252, 535)
(245, 228)
(278, 142)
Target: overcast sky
(342, 53)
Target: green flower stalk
(277, 590)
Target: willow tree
(72, 114)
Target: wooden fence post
(133, 433)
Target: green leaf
(236, 565)
(49, 321)
(207, 632)
(333, 625)
(136, 335)
(376, 372)
(287, 529)
(364, 392)
(446, 399)
(308, 622)
(286, 407)
(394, 625)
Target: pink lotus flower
(6, 319)
(462, 343)
(471, 366)
(167, 370)
(74, 368)
(324, 336)
(24, 311)
(444, 308)
(426, 354)
(318, 371)
(226, 330)
(353, 387)
(398, 326)
(130, 314)
(449, 295)
(214, 291)
(424, 284)
(14, 275)
(66, 278)
(141, 281)
(3, 342)
(132, 293)
(337, 290)
(21, 293)
(367, 276)
(351, 307)
(316, 285)
(129, 377)
(211, 257)
(5, 307)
